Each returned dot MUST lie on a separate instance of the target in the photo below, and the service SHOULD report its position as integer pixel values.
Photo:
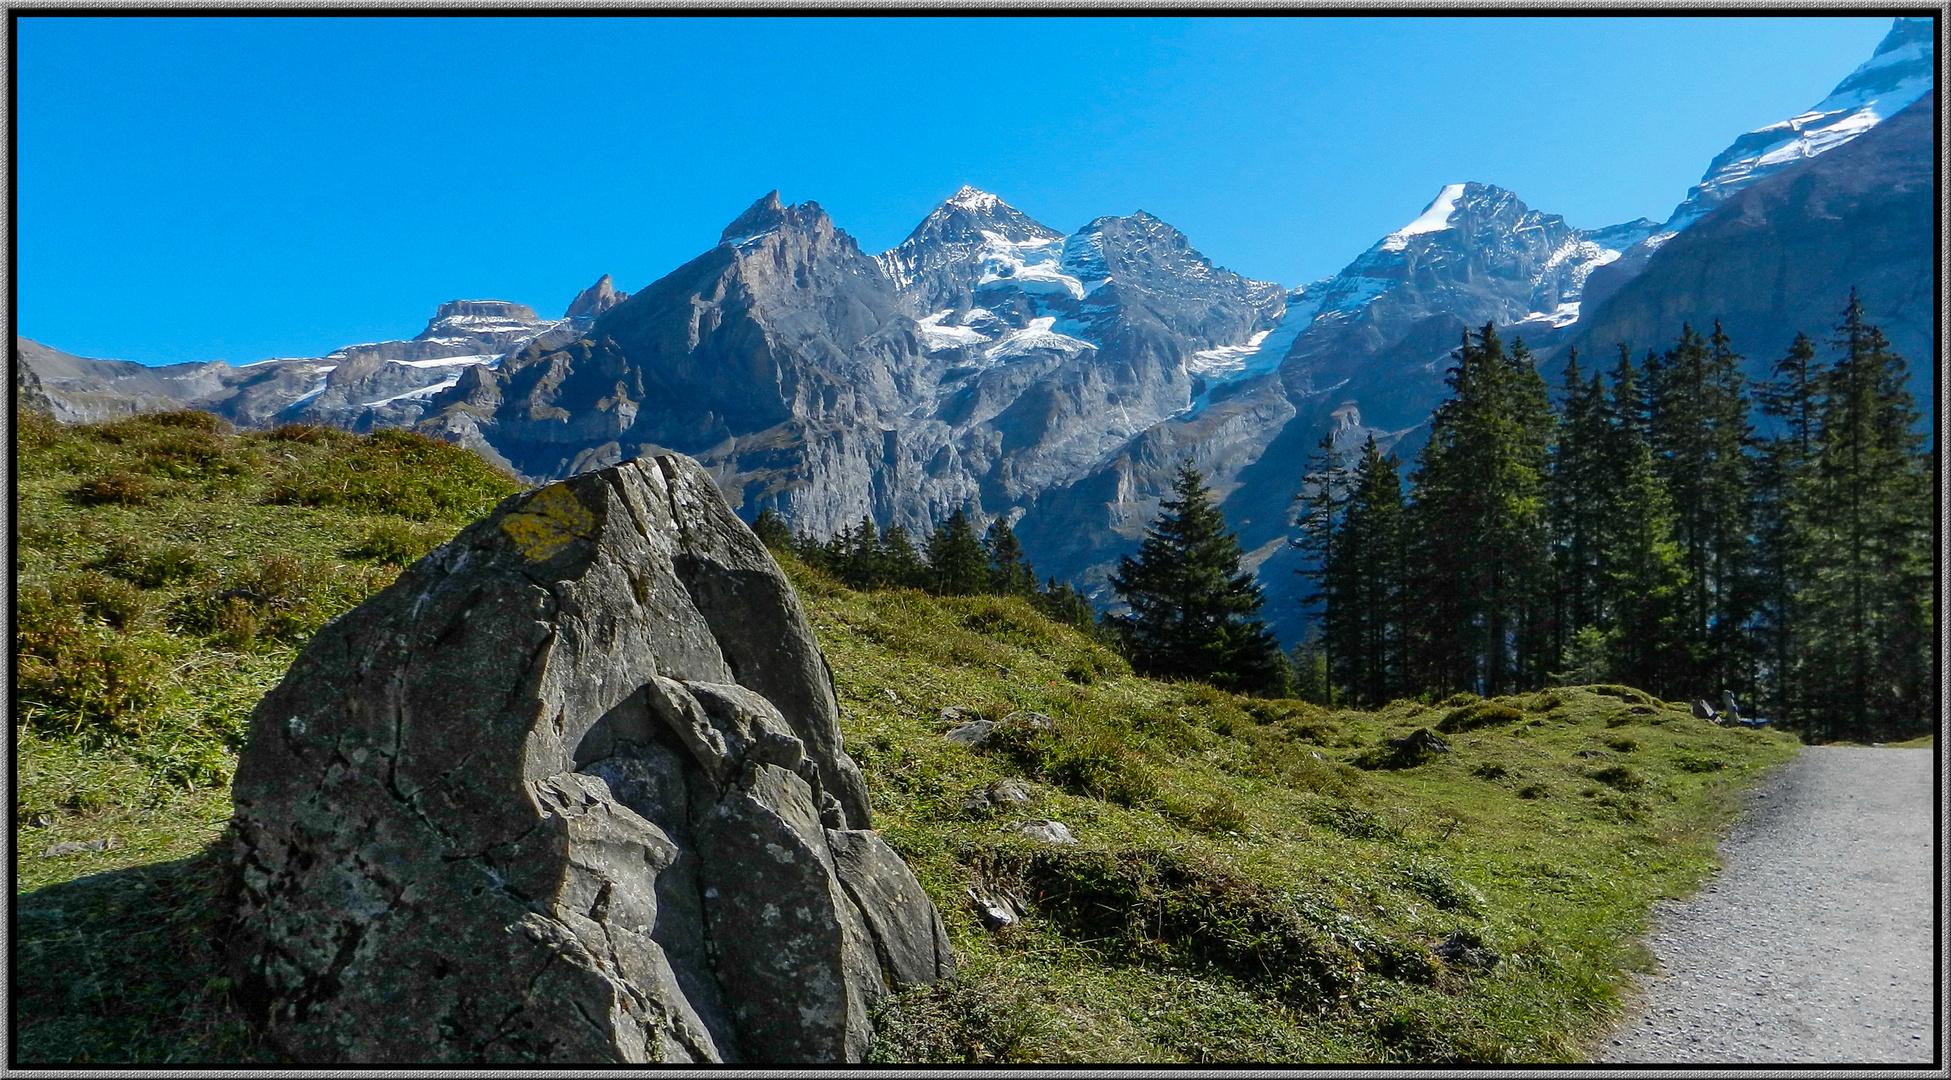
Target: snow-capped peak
(1903, 69)
(969, 198)
(1434, 218)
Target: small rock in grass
(993, 908)
(1030, 721)
(1421, 741)
(1050, 832)
(971, 734)
(999, 793)
(1464, 948)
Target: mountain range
(994, 365)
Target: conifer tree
(1192, 609)
(957, 565)
(1363, 582)
(1065, 603)
(1324, 500)
(771, 530)
(901, 565)
(1642, 575)
(1790, 399)
(1576, 490)
(1865, 562)
(1476, 536)
(1699, 432)
(1010, 573)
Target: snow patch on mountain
(1903, 69)
(970, 198)
(1033, 266)
(1561, 316)
(454, 361)
(936, 335)
(1225, 360)
(1041, 333)
(1434, 218)
(420, 394)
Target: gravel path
(1816, 942)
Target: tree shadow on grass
(125, 967)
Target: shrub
(73, 677)
(1097, 764)
(1173, 908)
(1625, 693)
(127, 559)
(278, 598)
(957, 1021)
(1441, 887)
(1356, 823)
(1480, 714)
(118, 487)
(1619, 776)
(398, 473)
(396, 542)
(1221, 814)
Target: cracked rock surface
(570, 790)
(1812, 946)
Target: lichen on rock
(570, 790)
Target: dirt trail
(1816, 944)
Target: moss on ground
(1243, 889)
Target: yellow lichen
(550, 521)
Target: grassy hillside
(1254, 880)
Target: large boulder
(570, 790)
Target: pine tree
(771, 530)
(1790, 399)
(1323, 499)
(1192, 609)
(1642, 577)
(957, 565)
(1010, 573)
(901, 565)
(1476, 536)
(1363, 581)
(1699, 433)
(1063, 602)
(1865, 564)
(1576, 489)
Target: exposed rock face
(1782, 254)
(1903, 69)
(570, 790)
(985, 360)
(358, 387)
(594, 301)
(1363, 353)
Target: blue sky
(238, 188)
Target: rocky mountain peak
(595, 300)
(484, 309)
(765, 214)
(939, 263)
(1903, 69)
(769, 217)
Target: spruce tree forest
(1660, 523)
